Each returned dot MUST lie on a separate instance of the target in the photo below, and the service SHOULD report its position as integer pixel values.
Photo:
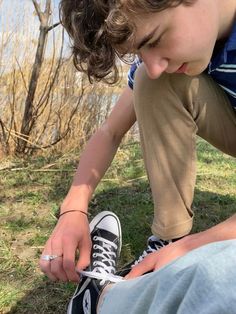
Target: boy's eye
(154, 43)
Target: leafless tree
(46, 104)
(28, 120)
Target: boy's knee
(141, 78)
(167, 84)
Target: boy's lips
(182, 68)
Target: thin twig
(53, 26)
(14, 133)
(42, 170)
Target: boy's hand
(71, 233)
(161, 258)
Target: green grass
(31, 192)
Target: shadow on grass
(133, 205)
(46, 297)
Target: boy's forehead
(146, 26)
(142, 32)
(143, 25)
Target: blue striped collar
(222, 56)
(231, 42)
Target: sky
(19, 27)
(14, 13)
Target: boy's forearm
(99, 153)
(95, 160)
(225, 230)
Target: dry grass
(66, 108)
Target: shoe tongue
(155, 242)
(106, 235)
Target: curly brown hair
(98, 27)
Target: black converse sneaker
(153, 244)
(106, 240)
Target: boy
(185, 85)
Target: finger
(69, 250)
(143, 267)
(57, 263)
(46, 268)
(84, 254)
(57, 269)
(45, 265)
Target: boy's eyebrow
(146, 38)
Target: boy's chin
(195, 69)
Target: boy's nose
(154, 65)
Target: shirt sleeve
(132, 71)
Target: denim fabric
(203, 281)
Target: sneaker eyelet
(95, 246)
(94, 263)
(95, 238)
(94, 255)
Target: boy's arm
(99, 153)
(72, 229)
(225, 230)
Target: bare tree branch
(38, 10)
(48, 8)
(53, 26)
(19, 135)
(28, 121)
(22, 75)
(45, 93)
(3, 138)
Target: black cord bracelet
(73, 210)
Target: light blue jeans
(201, 282)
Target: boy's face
(181, 39)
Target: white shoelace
(103, 277)
(104, 268)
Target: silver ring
(49, 257)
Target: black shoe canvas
(106, 240)
(153, 244)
